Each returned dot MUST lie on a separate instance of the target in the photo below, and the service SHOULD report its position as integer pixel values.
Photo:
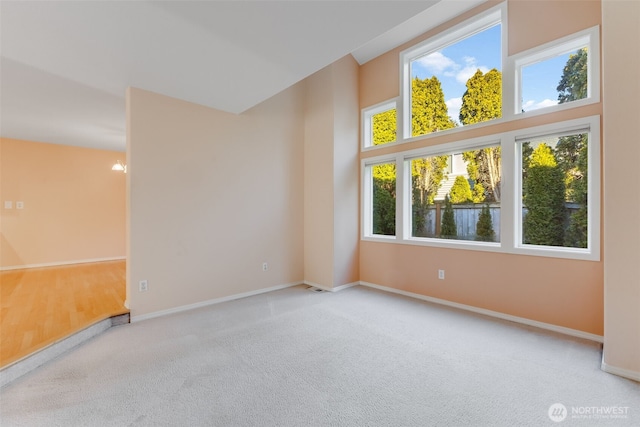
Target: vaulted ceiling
(65, 65)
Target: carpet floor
(358, 357)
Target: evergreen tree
(384, 199)
(484, 226)
(448, 230)
(427, 175)
(572, 151)
(481, 102)
(384, 127)
(573, 83)
(484, 167)
(429, 111)
(544, 192)
(577, 232)
(460, 191)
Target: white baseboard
(209, 302)
(328, 289)
(621, 372)
(56, 264)
(503, 316)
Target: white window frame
(367, 122)
(589, 38)
(590, 125)
(487, 19)
(511, 190)
(367, 197)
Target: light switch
(19, 205)
(8, 204)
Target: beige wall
(331, 175)
(565, 293)
(212, 196)
(621, 31)
(74, 204)
(318, 179)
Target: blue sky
(454, 64)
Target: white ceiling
(65, 65)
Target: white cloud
(437, 63)
(533, 105)
(453, 107)
(469, 70)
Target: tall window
(555, 190)
(380, 199)
(454, 80)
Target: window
(380, 199)
(561, 72)
(457, 196)
(455, 79)
(533, 191)
(379, 124)
(556, 190)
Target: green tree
(572, 151)
(427, 175)
(484, 226)
(484, 167)
(481, 102)
(428, 114)
(384, 127)
(384, 199)
(544, 192)
(448, 230)
(429, 111)
(577, 231)
(573, 84)
(460, 191)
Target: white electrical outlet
(143, 286)
(265, 266)
(8, 204)
(441, 274)
(19, 205)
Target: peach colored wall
(318, 179)
(621, 88)
(331, 180)
(565, 293)
(345, 173)
(74, 204)
(212, 196)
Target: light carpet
(359, 357)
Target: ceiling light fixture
(120, 167)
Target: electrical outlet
(441, 274)
(265, 266)
(19, 205)
(8, 204)
(143, 286)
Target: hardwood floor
(39, 306)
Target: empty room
(381, 213)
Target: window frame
(589, 38)
(367, 197)
(511, 190)
(468, 28)
(590, 125)
(367, 122)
